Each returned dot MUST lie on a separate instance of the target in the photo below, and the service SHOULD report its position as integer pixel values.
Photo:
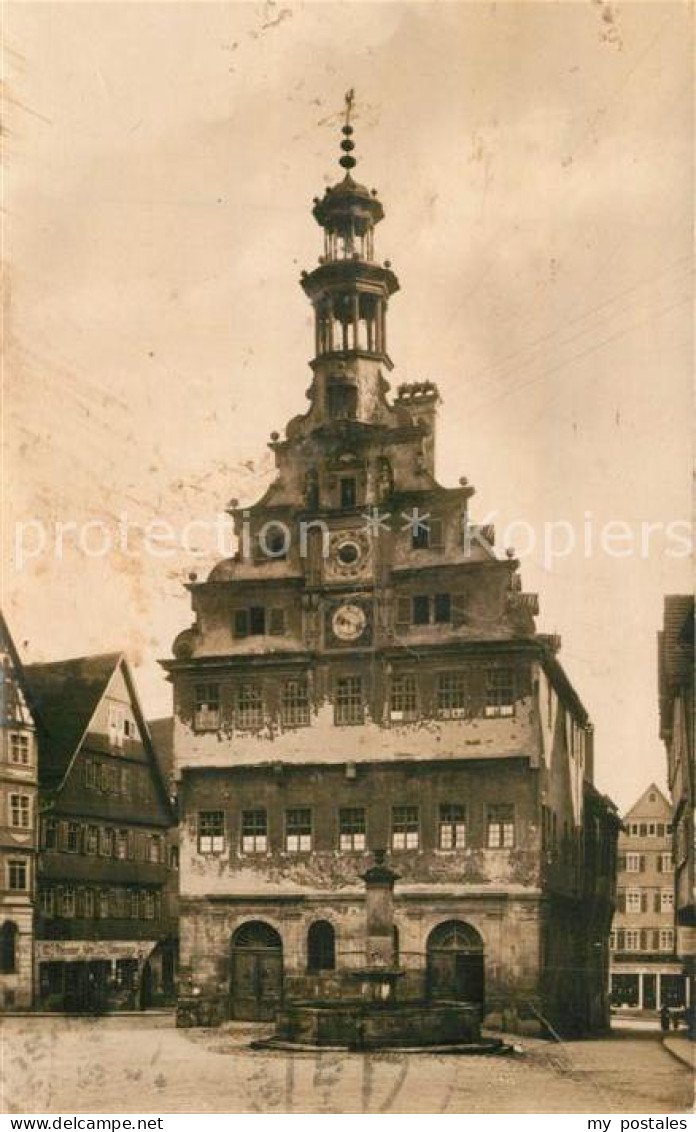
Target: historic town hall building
(365, 674)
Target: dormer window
(427, 535)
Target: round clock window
(348, 622)
(348, 553)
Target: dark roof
(65, 695)
(162, 735)
(675, 653)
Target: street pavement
(142, 1064)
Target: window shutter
(621, 900)
(643, 901)
(644, 941)
(458, 609)
(642, 863)
(656, 941)
(621, 863)
(276, 622)
(241, 623)
(659, 862)
(436, 533)
(403, 614)
(656, 901)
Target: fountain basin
(357, 1024)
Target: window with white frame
(632, 941)
(665, 864)
(122, 844)
(156, 849)
(666, 939)
(211, 831)
(50, 833)
(405, 827)
(104, 903)
(612, 941)
(298, 830)
(116, 719)
(500, 832)
(666, 900)
(351, 829)
(20, 811)
(403, 700)
(632, 862)
(207, 707)
(67, 902)
(452, 826)
(294, 703)
(254, 831)
(19, 748)
(92, 840)
(18, 875)
(349, 706)
(633, 901)
(248, 705)
(72, 837)
(106, 842)
(452, 698)
(500, 692)
(47, 901)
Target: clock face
(350, 556)
(348, 622)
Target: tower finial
(347, 160)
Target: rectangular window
(500, 692)
(420, 534)
(207, 711)
(666, 939)
(403, 614)
(632, 940)
(89, 903)
(403, 702)
(115, 725)
(349, 494)
(67, 902)
(20, 811)
(240, 620)
(92, 776)
(405, 827)
(452, 826)
(104, 904)
(149, 905)
(665, 864)
(257, 621)
(612, 941)
(72, 843)
(155, 849)
(666, 900)
(50, 833)
(660, 829)
(500, 827)
(651, 829)
(249, 706)
(18, 876)
(294, 703)
(298, 831)
(633, 900)
(122, 844)
(421, 610)
(106, 842)
(19, 749)
(211, 831)
(451, 695)
(134, 903)
(276, 622)
(351, 829)
(632, 863)
(92, 840)
(443, 609)
(348, 703)
(46, 901)
(254, 831)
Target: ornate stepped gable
(355, 527)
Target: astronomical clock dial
(350, 556)
(349, 621)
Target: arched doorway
(8, 948)
(455, 967)
(256, 985)
(321, 946)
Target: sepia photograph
(347, 615)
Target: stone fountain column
(379, 898)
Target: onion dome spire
(347, 161)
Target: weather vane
(347, 145)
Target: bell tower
(349, 291)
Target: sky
(535, 161)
